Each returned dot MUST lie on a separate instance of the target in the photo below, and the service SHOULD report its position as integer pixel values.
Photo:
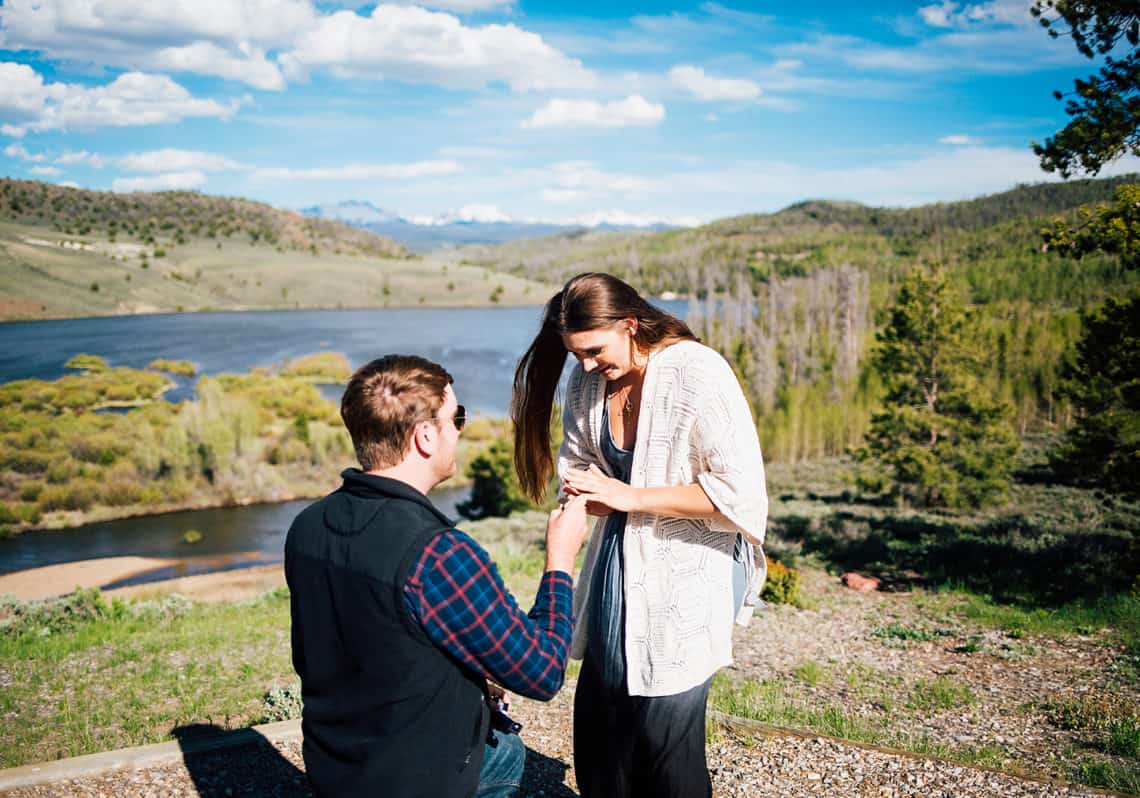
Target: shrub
(783, 584)
(61, 470)
(55, 615)
(282, 703)
(1124, 737)
(79, 494)
(181, 367)
(495, 489)
(324, 366)
(85, 362)
(121, 492)
(103, 448)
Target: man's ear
(425, 438)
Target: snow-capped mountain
(471, 224)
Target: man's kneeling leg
(502, 767)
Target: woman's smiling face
(608, 350)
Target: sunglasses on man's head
(460, 418)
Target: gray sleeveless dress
(605, 627)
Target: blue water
(479, 346)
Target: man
(399, 619)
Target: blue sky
(573, 112)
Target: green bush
(86, 362)
(495, 489)
(322, 366)
(282, 703)
(55, 615)
(181, 367)
(79, 494)
(782, 585)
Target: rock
(858, 582)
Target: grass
(775, 703)
(131, 674)
(41, 279)
(82, 675)
(940, 694)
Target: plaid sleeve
(458, 597)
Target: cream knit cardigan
(694, 426)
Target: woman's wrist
(637, 500)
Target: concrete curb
(144, 755)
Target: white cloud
(172, 160)
(133, 98)
(12, 130)
(487, 214)
(174, 181)
(458, 6)
(939, 16)
(68, 184)
(247, 65)
(707, 88)
(634, 110)
(210, 37)
(956, 139)
(46, 171)
(626, 219)
(474, 152)
(362, 171)
(419, 46)
(570, 181)
(1002, 12)
(94, 160)
(18, 151)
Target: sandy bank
(57, 580)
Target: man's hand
(565, 531)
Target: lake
(479, 346)
(232, 537)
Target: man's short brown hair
(384, 401)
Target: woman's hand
(601, 492)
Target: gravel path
(741, 765)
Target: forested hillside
(793, 298)
(170, 218)
(69, 252)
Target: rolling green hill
(69, 252)
(991, 244)
(798, 295)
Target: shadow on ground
(228, 763)
(545, 776)
(1011, 557)
(225, 763)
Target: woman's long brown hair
(589, 301)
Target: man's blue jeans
(502, 771)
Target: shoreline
(272, 309)
(64, 519)
(61, 579)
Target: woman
(659, 438)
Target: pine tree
(1103, 380)
(944, 440)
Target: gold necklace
(626, 402)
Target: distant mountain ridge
(485, 226)
(991, 242)
(171, 218)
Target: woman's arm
(678, 501)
